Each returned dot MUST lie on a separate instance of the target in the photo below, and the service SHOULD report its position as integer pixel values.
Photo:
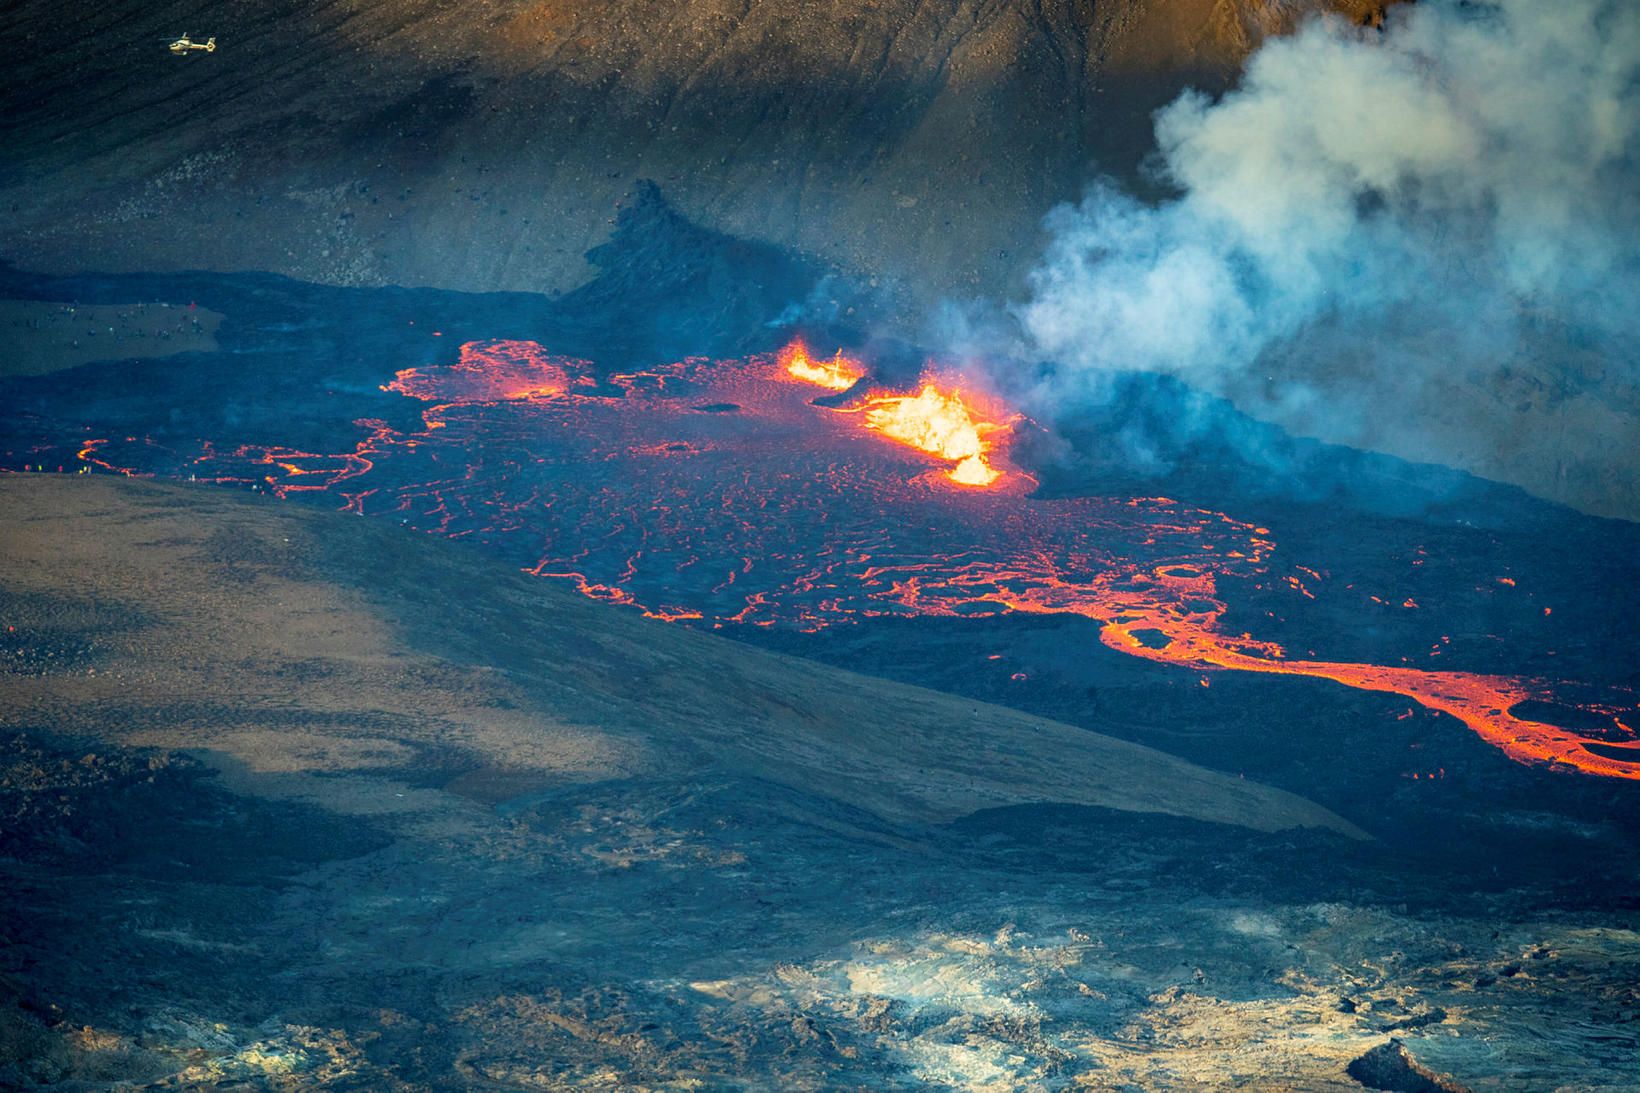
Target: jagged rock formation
(1390, 1066)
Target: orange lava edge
(1176, 601)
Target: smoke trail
(1444, 195)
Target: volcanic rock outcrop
(1390, 1066)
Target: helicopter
(185, 45)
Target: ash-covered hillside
(485, 145)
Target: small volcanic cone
(838, 374)
(939, 423)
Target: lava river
(722, 491)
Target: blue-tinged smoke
(1429, 199)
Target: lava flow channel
(721, 492)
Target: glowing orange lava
(838, 374)
(939, 423)
(718, 491)
(492, 371)
(935, 421)
(1170, 613)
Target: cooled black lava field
(973, 545)
(1412, 649)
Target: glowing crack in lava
(491, 372)
(838, 374)
(719, 491)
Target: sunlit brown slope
(484, 144)
(320, 656)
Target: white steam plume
(1443, 191)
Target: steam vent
(854, 545)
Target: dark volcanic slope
(483, 145)
(261, 632)
(296, 800)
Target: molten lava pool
(724, 493)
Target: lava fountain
(938, 422)
(837, 374)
